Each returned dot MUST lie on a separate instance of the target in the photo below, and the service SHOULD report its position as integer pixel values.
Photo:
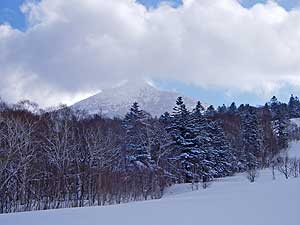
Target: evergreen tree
(182, 137)
(274, 101)
(222, 109)
(251, 138)
(199, 108)
(280, 117)
(165, 118)
(198, 149)
(294, 107)
(232, 108)
(136, 140)
(241, 108)
(210, 111)
(210, 147)
(179, 121)
(221, 154)
(280, 127)
(278, 109)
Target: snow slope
(295, 121)
(294, 149)
(229, 201)
(116, 101)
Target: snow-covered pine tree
(294, 107)
(251, 138)
(196, 152)
(232, 108)
(280, 127)
(220, 153)
(136, 140)
(179, 121)
(210, 111)
(178, 129)
(280, 117)
(165, 118)
(222, 109)
(241, 108)
(278, 109)
(273, 101)
(209, 146)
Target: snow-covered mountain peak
(135, 84)
(116, 101)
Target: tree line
(64, 158)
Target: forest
(61, 158)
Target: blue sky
(287, 4)
(10, 13)
(154, 3)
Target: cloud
(77, 47)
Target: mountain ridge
(116, 101)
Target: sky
(218, 51)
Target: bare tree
(284, 166)
(18, 148)
(252, 174)
(294, 163)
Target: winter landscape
(149, 112)
(228, 201)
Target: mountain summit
(116, 101)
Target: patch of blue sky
(155, 3)
(217, 95)
(10, 13)
(287, 4)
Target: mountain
(116, 101)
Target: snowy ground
(296, 121)
(294, 149)
(228, 201)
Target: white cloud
(79, 46)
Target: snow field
(228, 201)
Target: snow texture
(294, 149)
(228, 201)
(116, 101)
(294, 146)
(295, 121)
